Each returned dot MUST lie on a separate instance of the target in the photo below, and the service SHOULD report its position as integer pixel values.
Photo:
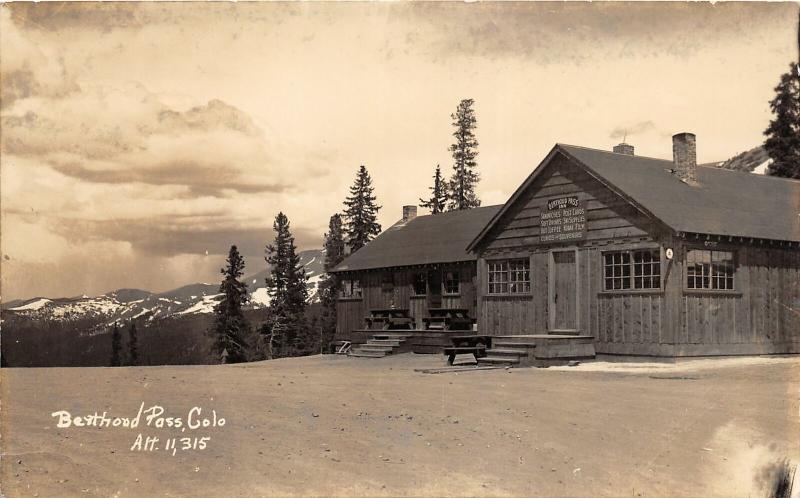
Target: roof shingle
(729, 203)
(430, 239)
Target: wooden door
(563, 291)
(434, 288)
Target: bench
(390, 312)
(404, 323)
(435, 322)
(468, 344)
(478, 351)
(389, 319)
(447, 319)
(472, 341)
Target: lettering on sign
(563, 219)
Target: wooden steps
(418, 341)
(539, 350)
(383, 343)
(501, 361)
(508, 353)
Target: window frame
(445, 291)
(509, 280)
(631, 275)
(711, 277)
(414, 277)
(350, 296)
(497, 267)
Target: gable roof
(728, 203)
(430, 239)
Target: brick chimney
(409, 213)
(684, 156)
(624, 148)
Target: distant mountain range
(129, 304)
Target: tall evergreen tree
(329, 284)
(438, 199)
(133, 345)
(461, 188)
(783, 133)
(286, 286)
(231, 329)
(116, 347)
(334, 242)
(360, 214)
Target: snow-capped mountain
(129, 304)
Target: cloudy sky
(140, 140)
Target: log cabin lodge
(617, 253)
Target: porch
(392, 330)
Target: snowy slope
(755, 160)
(763, 168)
(32, 305)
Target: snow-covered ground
(260, 297)
(206, 305)
(102, 305)
(33, 305)
(762, 168)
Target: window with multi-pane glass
(635, 269)
(519, 273)
(452, 282)
(709, 270)
(498, 277)
(350, 289)
(511, 276)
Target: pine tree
(329, 284)
(783, 134)
(360, 214)
(286, 286)
(231, 329)
(334, 243)
(116, 347)
(133, 345)
(461, 188)
(438, 199)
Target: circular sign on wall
(669, 253)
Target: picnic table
(389, 319)
(447, 319)
(448, 312)
(468, 344)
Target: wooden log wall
(377, 294)
(612, 223)
(762, 315)
(608, 216)
(519, 314)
